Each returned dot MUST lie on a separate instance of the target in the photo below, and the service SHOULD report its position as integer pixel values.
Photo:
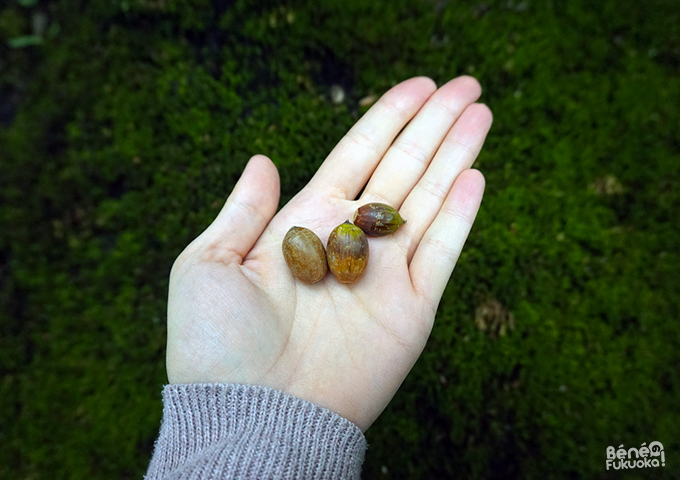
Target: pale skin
(237, 315)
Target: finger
(440, 248)
(349, 166)
(456, 154)
(409, 156)
(247, 212)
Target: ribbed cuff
(212, 431)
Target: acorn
(378, 219)
(305, 255)
(347, 252)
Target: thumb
(249, 208)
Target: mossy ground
(134, 118)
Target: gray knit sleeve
(229, 431)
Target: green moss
(137, 117)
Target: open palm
(237, 315)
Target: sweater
(232, 431)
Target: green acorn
(347, 252)
(378, 219)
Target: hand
(235, 313)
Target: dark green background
(125, 124)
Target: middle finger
(410, 154)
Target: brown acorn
(305, 255)
(378, 219)
(347, 252)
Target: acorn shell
(378, 219)
(305, 255)
(347, 252)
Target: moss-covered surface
(559, 334)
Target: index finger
(351, 163)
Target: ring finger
(457, 153)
